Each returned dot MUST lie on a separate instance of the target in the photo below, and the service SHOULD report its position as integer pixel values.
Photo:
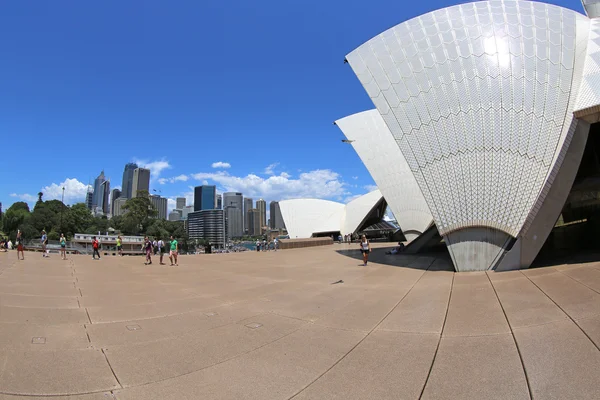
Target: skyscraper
(160, 205)
(89, 198)
(208, 225)
(141, 181)
(127, 185)
(117, 207)
(276, 219)
(204, 197)
(180, 203)
(103, 197)
(248, 205)
(254, 228)
(261, 206)
(219, 201)
(114, 195)
(96, 198)
(233, 206)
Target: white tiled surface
(378, 150)
(476, 97)
(589, 92)
(303, 217)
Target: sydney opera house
(484, 127)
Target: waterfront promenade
(276, 325)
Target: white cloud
(29, 198)
(370, 188)
(324, 184)
(221, 164)
(355, 177)
(178, 178)
(171, 204)
(75, 191)
(155, 167)
(270, 170)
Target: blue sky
(183, 86)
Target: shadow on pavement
(437, 259)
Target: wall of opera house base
(529, 245)
(477, 248)
(285, 244)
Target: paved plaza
(275, 325)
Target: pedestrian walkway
(302, 324)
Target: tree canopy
(55, 218)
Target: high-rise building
(127, 185)
(140, 182)
(204, 197)
(234, 215)
(97, 197)
(254, 228)
(89, 198)
(180, 203)
(219, 201)
(208, 225)
(186, 211)
(276, 219)
(114, 195)
(117, 207)
(248, 205)
(175, 215)
(261, 206)
(160, 205)
(102, 198)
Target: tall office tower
(175, 215)
(96, 198)
(103, 196)
(141, 181)
(233, 206)
(204, 197)
(219, 201)
(261, 206)
(160, 205)
(186, 211)
(114, 195)
(276, 219)
(180, 203)
(254, 228)
(248, 205)
(208, 225)
(127, 185)
(89, 198)
(117, 206)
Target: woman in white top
(365, 249)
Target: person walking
(258, 245)
(20, 244)
(161, 249)
(119, 246)
(275, 243)
(95, 247)
(44, 241)
(148, 249)
(63, 246)
(173, 252)
(155, 246)
(365, 249)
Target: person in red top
(96, 246)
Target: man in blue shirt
(44, 243)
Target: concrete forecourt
(275, 325)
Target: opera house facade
(482, 117)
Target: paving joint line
(439, 339)
(561, 309)
(111, 368)
(577, 281)
(512, 334)
(361, 340)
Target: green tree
(15, 217)
(140, 211)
